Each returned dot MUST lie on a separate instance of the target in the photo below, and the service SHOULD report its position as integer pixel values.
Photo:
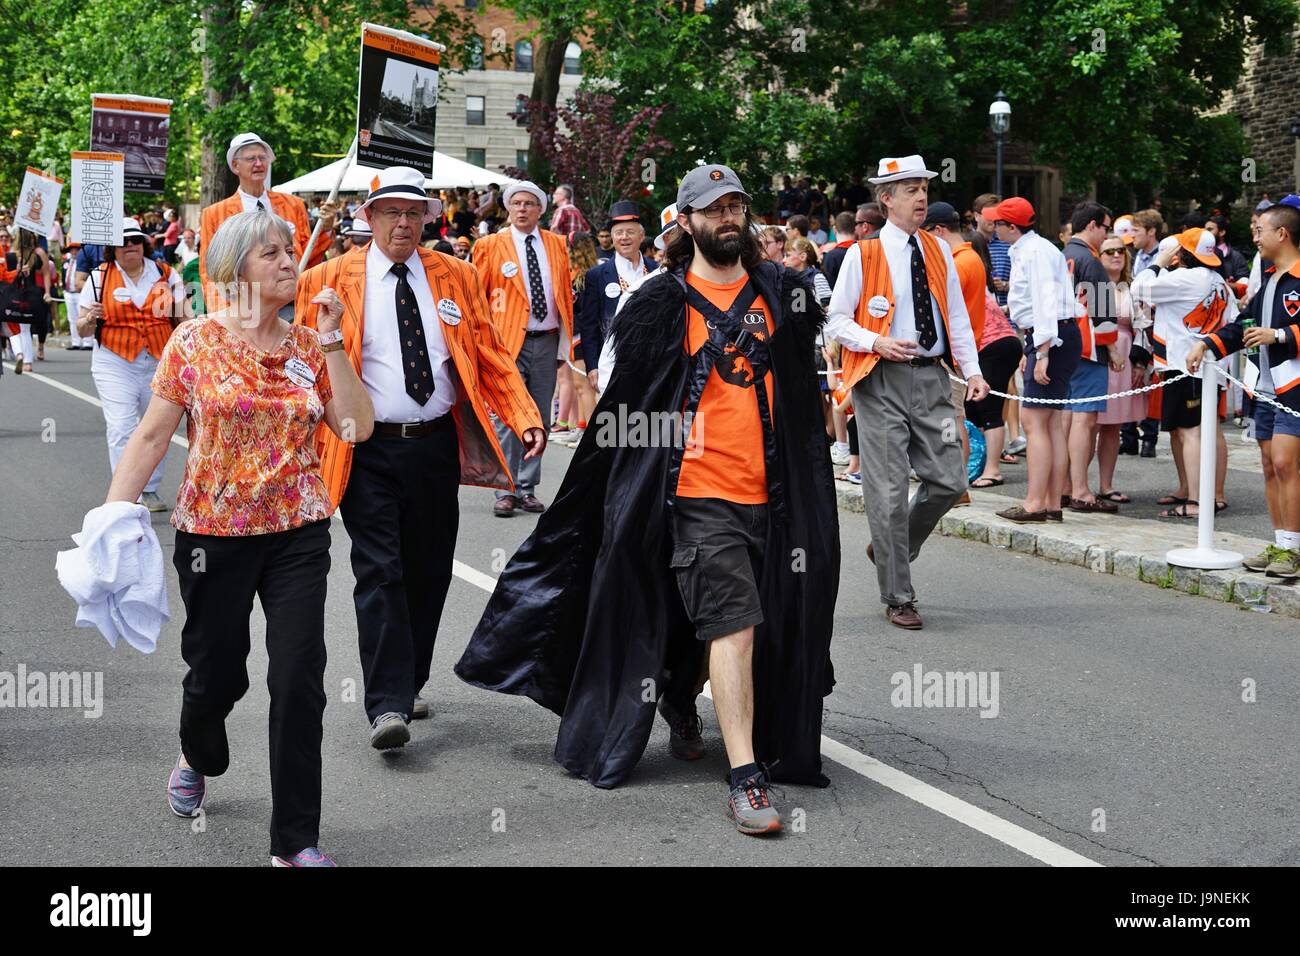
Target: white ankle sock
(1290, 540)
(1278, 537)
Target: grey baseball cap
(705, 184)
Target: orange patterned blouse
(252, 465)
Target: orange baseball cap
(1200, 243)
(1015, 210)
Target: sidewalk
(1113, 544)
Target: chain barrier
(1257, 396)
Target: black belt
(413, 429)
(922, 361)
(537, 332)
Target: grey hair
(236, 238)
(568, 191)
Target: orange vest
(485, 376)
(507, 295)
(289, 208)
(876, 281)
(128, 329)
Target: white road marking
(1016, 837)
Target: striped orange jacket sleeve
(503, 386)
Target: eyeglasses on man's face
(393, 214)
(734, 210)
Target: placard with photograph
(397, 99)
(138, 128)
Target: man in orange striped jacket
(250, 158)
(899, 313)
(525, 273)
(416, 329)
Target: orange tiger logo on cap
(715, 175)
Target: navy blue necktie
(417, 370)
(922, 310)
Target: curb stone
(1097, 544)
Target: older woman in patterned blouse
(252, 514)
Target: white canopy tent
(448, 173)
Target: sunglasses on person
(135, 241)
(1113, 251)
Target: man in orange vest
(525, 273)
(250, 157)
(898, 311)
(415, 326)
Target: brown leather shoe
(904, 615)
(505, 506)
(532, 504)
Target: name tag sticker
(613, 290)
(508, 269)
(878, 307)
(449, 310)
(121, 295)
(300, 373)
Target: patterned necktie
(410, 333)
(260, 207)
(536, 291)
(922, 309)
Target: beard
(724, 250)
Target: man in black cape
(641, 571)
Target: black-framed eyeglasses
(728, 209)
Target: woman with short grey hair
(252, 514)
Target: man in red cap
(1040, 298)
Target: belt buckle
(406, 425)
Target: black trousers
(402, 512)
(219, 577)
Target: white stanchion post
(1205, 555)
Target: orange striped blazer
(485, 374)
(507, 295)
(289, 208)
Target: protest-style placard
(137, 127)
(38, 201)
(397, 98)
(97, 198)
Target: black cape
(587, 620)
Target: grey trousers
(536, 363)
(906, 422)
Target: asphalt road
(1121, 736)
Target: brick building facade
(1267, 99)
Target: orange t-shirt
(724, 455)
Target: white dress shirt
(381, 350)
(1040, 292)
(842, 325)
(605, 366)
(628, 274)
(552, 320)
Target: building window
(524, 56)
(572, 59)
(474, 111)
(521, 158)
(521, 110)
(474, 53)
(476, 157)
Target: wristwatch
(1279, 334)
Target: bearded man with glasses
(695, 535)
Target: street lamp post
(1000, 123)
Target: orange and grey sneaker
(750, 807)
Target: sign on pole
(98, 198)
(397, 99)
(137, 127)
(38, 201)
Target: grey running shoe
(152, 501)
(1261, 561)
(685, 740)
(1286, 564)
(388, 731)
(751, 809)
(420, 709)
